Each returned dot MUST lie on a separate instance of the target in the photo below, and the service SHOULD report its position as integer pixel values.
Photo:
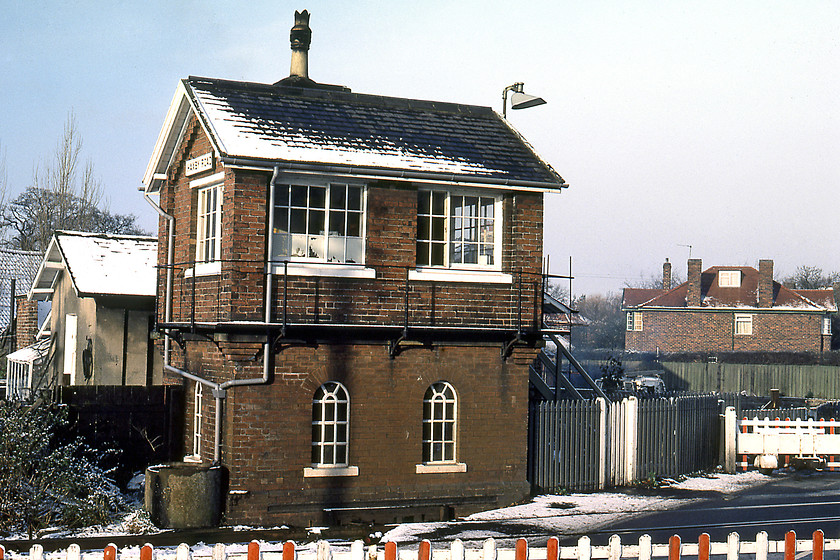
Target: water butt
(185, 495)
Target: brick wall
(26, 317)
(267, 429)
(713, 331)
(267, 439)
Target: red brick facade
(266, 437)
(714, 331)
(727, 309)
(26, 321)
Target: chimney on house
(765, 283)
(692, 297)
(666, 275)
(301, 37)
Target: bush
(46, 480)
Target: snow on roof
(100, 264)
(745, 296)
(355, 133)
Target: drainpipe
(220, 389)
(170, 260)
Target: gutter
(380, 173)
(220, 389)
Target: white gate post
(730, 435)
(602, 443)
(631, 420)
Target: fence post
(456, 550)
(602, 442)
(289, 550)
(704, 547)
(790, 545)
(615, 548)
(489, 549)
(424, 552)
(147, 552)
(819, 545)
(631, 420)
(36, 552)
(552, 549)
(584, 547)
(254, 550)
(730, 434)
(182, 552)
(733, 546)
(74, 552)
(521, 549)
(219, 552)
(762, 547)
(645, 547)
(110, 552)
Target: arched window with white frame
(198, 401)
(330, 425)
(440, 417)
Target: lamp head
(519, 100)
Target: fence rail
(644, 549)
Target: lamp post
(518, 99)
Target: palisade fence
(590, 445)
(645, 549)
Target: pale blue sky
(715, 124)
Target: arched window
(199, 398)
(330, 425)
(439, 423)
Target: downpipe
(219, 390)
(170, 260)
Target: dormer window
(729, 278)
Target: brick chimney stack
(301, 37)
(765, 283)
(692, 297)
(666, 275)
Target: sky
(706, 129)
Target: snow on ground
(574, 513)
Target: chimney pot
(301, 38)
(666, 275)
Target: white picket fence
(644, 549)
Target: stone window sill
(321, 472)
(315, 269)
(432, 468)
(446, 275)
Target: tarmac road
(802, 501)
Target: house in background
(17, 315)
(727, 309)
(102, 293)
(352, 297)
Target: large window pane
(329, 221)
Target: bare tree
(59, 199)
(810, 278)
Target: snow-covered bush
(46, 479)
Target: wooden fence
(589, 445)
(644, 549)
(819, 381)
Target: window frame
(744, 320)
(449, 219)
(294, 209)
(198, 404)
(635, 321)
(329, 405)
(729, 278)
(826, 326)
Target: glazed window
(743, 325)
(319, 223)
(199, 401)
(457, 230)
(209, 224)
(729, 278)
(330, 425)
(826, 326)
(634, 321)
(439, 423)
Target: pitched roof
(347, 133)
(20, 266)
(712, 295)
(99, 264)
